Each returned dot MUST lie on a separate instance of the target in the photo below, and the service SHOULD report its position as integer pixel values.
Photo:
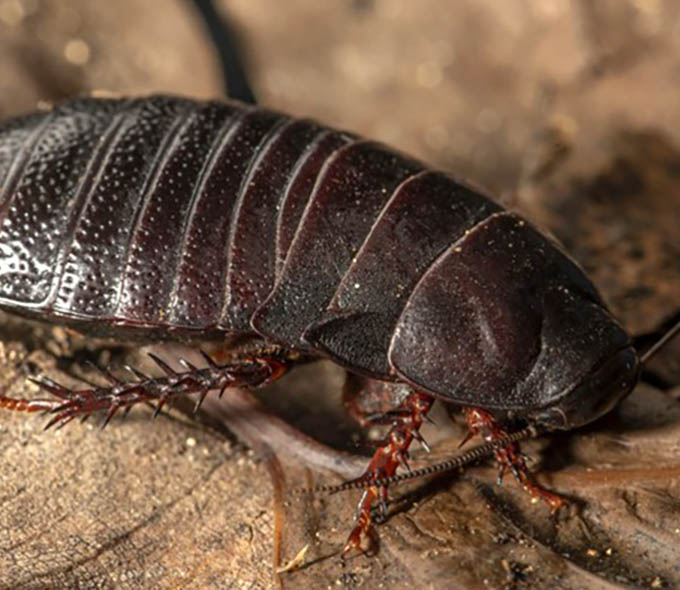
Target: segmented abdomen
(171, 214)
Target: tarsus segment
(25, 405)
(248, 371)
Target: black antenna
(660, 343)
(470, 456)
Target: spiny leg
(408, 419)
(508, 456)
(249, 370)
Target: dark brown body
(171, 218)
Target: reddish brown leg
(246, 371)
(385, 461)
(508, 456)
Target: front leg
(508, 456)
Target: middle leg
(372, 402)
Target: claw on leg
(508, 456)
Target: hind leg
(249, 369)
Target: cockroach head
(599, 392)
(587, 361)
(604, 386)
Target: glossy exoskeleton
(171, 218)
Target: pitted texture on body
(184, 217)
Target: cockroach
(167, 218)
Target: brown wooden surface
(568, 110)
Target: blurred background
(568, 110)
(473, 84)
(523, 97)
